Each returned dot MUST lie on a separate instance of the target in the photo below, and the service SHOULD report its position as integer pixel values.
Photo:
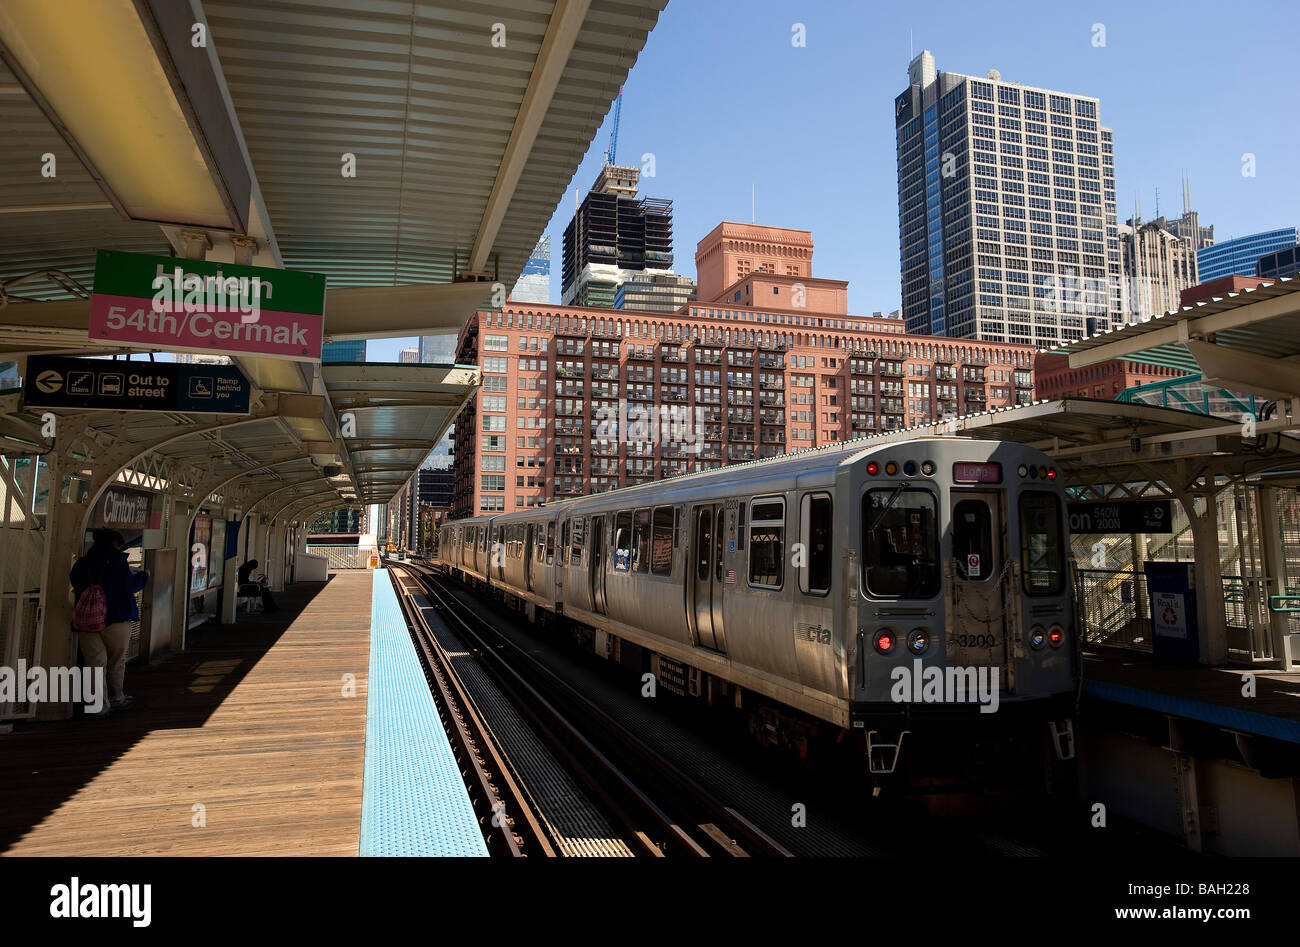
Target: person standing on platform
(104, 568)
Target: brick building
(1055, 379)
(1220, 286)
(773, 362)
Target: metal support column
(1274, 575)
(1209, 583)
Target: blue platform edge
(413, 797)
(1245, 721)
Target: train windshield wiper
(893, 498)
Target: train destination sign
(196, 306)
(1122, 516)
(106, 385)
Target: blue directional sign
(96, 384)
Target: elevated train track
(531, 789)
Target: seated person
(248, 587)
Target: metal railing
(342, 557)
(1114, 609)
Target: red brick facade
(752, 382)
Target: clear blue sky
(723, 100)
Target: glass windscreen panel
(1042, 546)
(900, 535)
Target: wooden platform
(1277, 693)
(251, 724)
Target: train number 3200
(974, 641)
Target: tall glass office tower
(534, 283)
(1240, 255)
(1006, 210)
(351, 350)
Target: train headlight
(1023, 471)
(1056, 636)
(927, 468)
(918, 639)
(873, 468)
(1051, 473)
(1037, 636)
(909, 468)
(885, 640)
(891, 468)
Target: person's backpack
(91, 610)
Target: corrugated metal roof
(416, 91)
(401, 412)
(1275, 336)
(426, 103)
(49, 238)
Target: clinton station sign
(196, 306)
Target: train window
(550, 542)
(661, 552)
(622, 541)
(564, 542)
(703, 541)
(816, 528)
(766, 543)
(972, 540)
(641, 541)
(900, 543)
(577, 534)
(1041, 548)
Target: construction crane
(613, 132)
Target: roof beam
(1129, 342)
(552, 57)
(1243, 371)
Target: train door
(597, 565)
(529, 542)
(708, 570)
(498, 557)
(978, 636)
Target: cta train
(871, 590)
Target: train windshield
(900, 543)
(1041, 545)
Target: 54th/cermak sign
(196, 306)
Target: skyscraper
(409, 356)
(1158, 266)
(534, 283)
(1240, 255)
(438, 349)
(612, 236)
(350, 350)
(1006, 210)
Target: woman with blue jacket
(105, 565)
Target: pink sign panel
(134, 321)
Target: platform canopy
(1247, 341)
(1109, 447)
(412, 153)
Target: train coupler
(882, 757)
(1062, 738)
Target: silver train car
(864, 588)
